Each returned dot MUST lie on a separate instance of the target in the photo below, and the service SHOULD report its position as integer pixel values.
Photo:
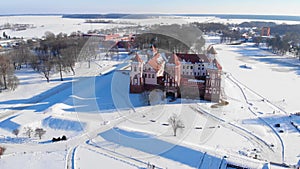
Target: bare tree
(16, 132)
(176, 123)
(89, 50)
(49, 35)
(34, 62)
(46, 69)
(20, 56)
(39, 132)
(69, 56)
(6, 69)
(12, 82)
(28, 131)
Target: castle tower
(172, 75)
(213, 85)
(213, 82)
(211, 52)
(136, 75)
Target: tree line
(225, 31)
(281, 44)
(172, 38)
(52, 54)
(285, 38)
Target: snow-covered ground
(110, 128)
(269, 90)
(57, 24)
(100, 101)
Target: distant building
(103, 36)
(265, 31)
(178, 75)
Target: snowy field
(57, 24)
(249, 118)
(110, 128)
(269, 90)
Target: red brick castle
(179, 75)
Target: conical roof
(174, 59)
(211, 50)
(137, 58)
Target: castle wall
(136, 89)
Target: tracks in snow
(243, 89)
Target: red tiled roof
(193, 58)
(137, 58)
(217, 64)
(153, 62)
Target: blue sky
(272, 7)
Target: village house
(265, 31)
(179, 75)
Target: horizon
(171, 14)
(230, 7)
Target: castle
(178, 75)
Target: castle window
(135, 80)
(152, 75)
(183, 67)
(145, 75)
(187, 67)
(191, 67)
(135, 68)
